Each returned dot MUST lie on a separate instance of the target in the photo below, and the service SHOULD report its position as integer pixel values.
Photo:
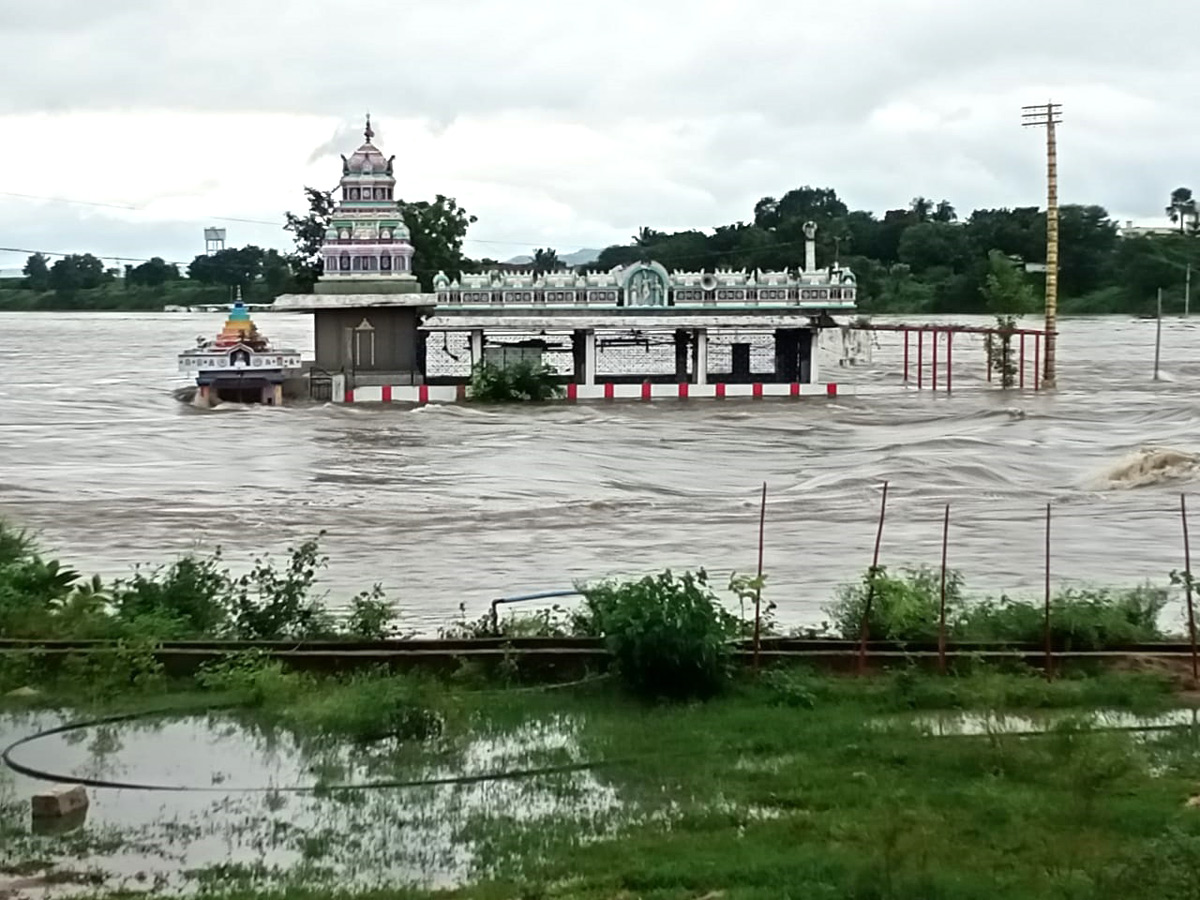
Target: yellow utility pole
(1049, 115)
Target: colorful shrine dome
(239, 329)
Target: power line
(473, 240)
(246, 221)
(138, 259)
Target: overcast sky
(569, 123)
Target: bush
(365, 706)
(1080, 619)
(253, 678)
(669, 636)
(188, 598)
(372, 616)
(904, 607)
(194, 597)
(517, 382)
(271, 605)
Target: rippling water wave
(450, 505)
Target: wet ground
(260, 804)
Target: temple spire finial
(368, 133)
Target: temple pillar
(700, 375)
(476, 346)
(278, 394)
(578, 355)
(681, 355)
(589, 356)
(813, 340)
(422, 355)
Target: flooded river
(456, 505)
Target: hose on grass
(40, 774)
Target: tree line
(922, 258)
(926, 258)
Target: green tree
(647, 236)
(944, 212)
(77, 272)
(546, 260)
(933, 244)
(1008, 296)
(1088, 238)
(437, 232)
(797, 206)
(1005, 290)
(308, 234)
(1144, 264)
(1182, 209)
(276, 273)
(621, 255)
(153, 273)
(37, 273)
(921, 207)
(1017, 232)
(232, 267)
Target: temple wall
(390, 345)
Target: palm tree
(921, 207)
(646, 236)
(1182, 211)
(944, 212)
(545, 260)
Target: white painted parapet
(451, 393)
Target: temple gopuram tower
(367, 248)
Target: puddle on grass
(428, 836)
(980, 723)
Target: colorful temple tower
(367, 248)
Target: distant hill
(578, 258)
(581, 257)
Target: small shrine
(240, 365)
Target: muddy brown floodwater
(455, 505)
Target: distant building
(1129, 230)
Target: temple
(240, 365)
(607, 333)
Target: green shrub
(129, 667)
(368, 706)
(372, 616)
(15, 546)
(253, 677)
(194, 597)
(1080, 619)
(520, 381)
(669, 635)
(904, 607)
(188, 598)
(270, 605)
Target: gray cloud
(708, 105)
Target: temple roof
(367, 159)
